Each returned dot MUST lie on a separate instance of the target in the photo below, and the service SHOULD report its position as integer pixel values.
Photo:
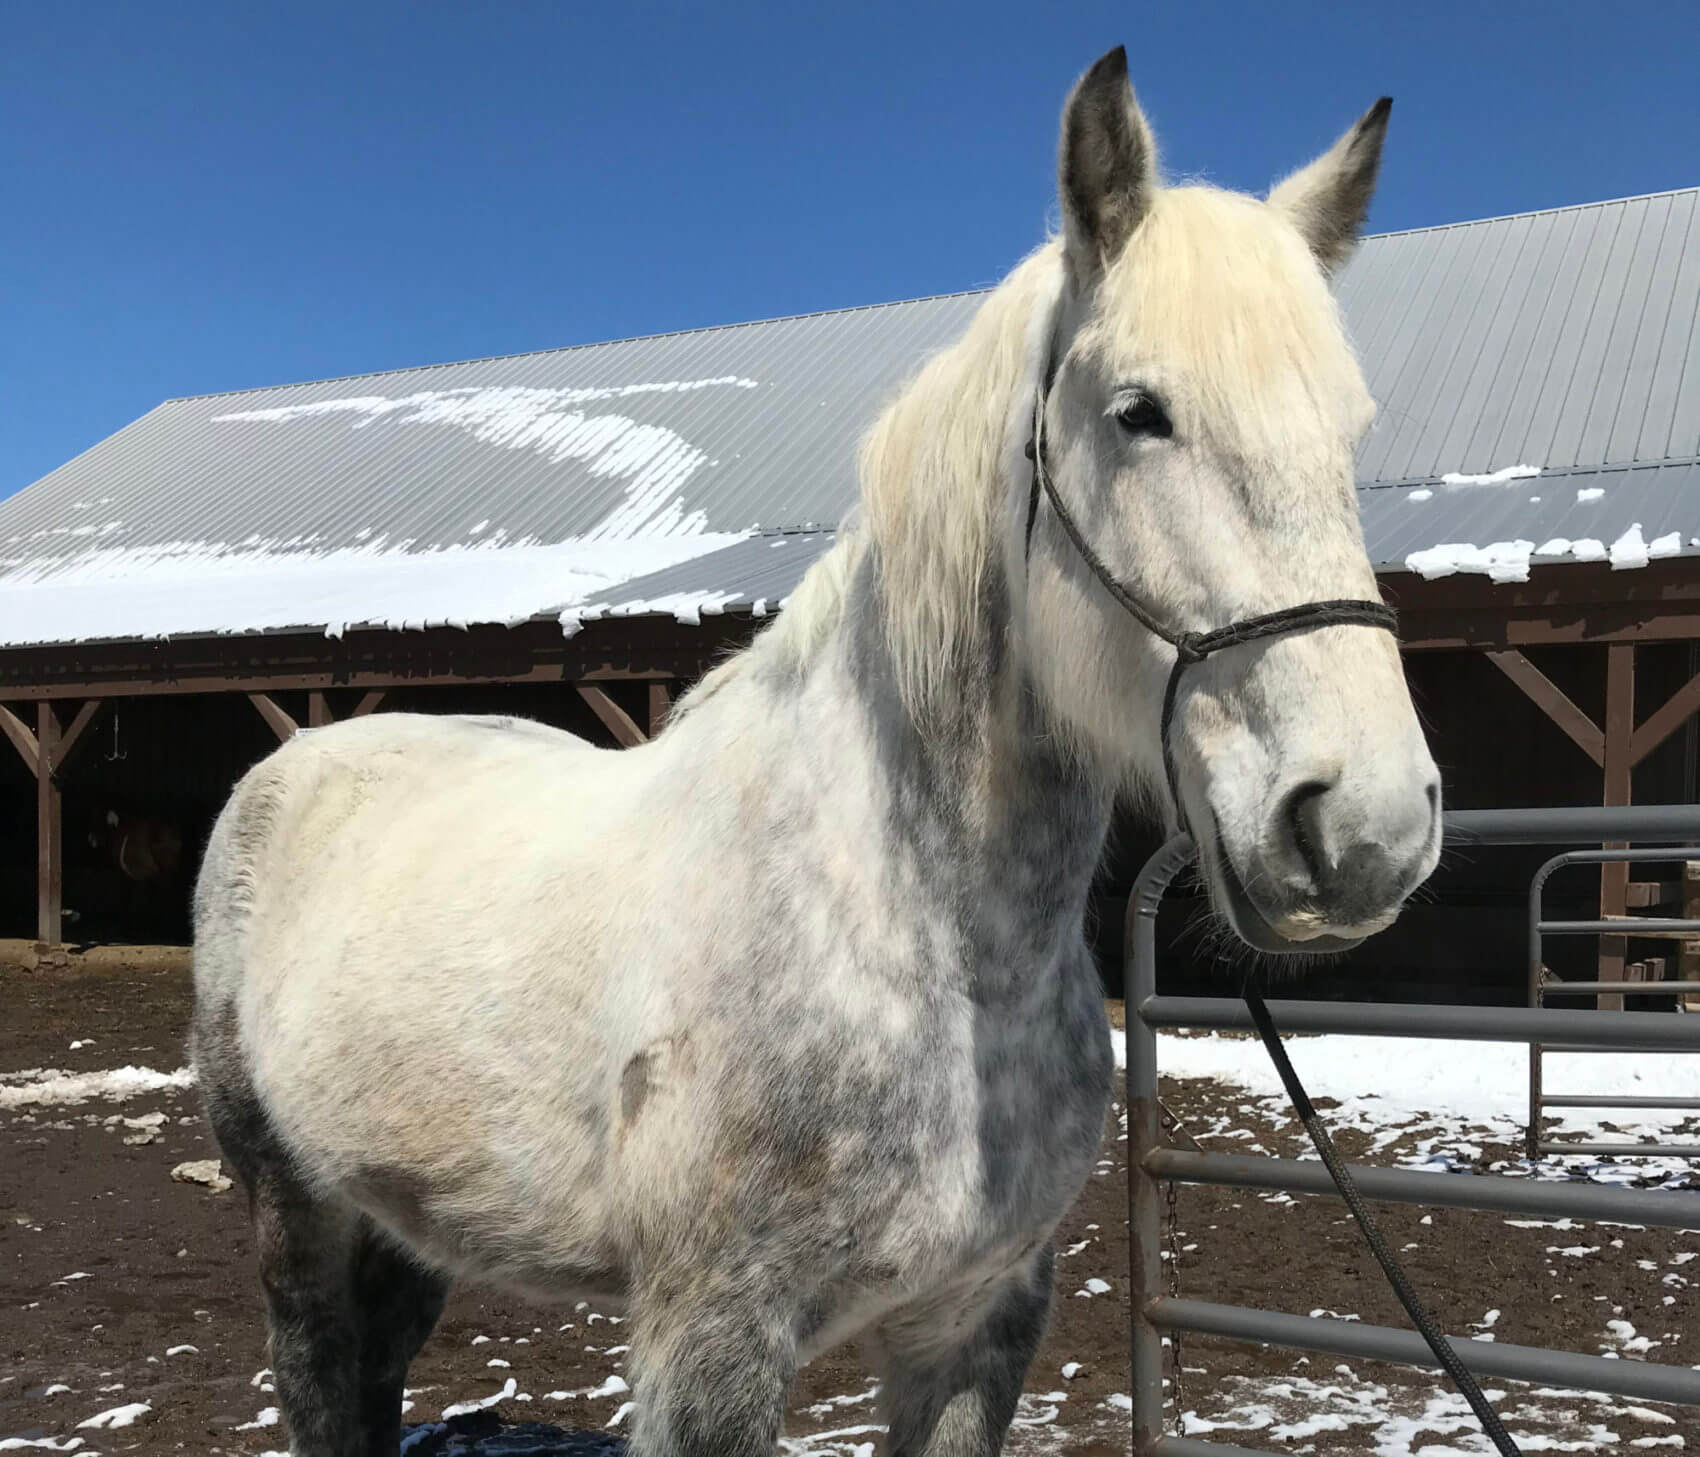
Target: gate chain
(1171, 1126)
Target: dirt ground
(119, 1286)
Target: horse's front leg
(713, 1359)
(954, 1371)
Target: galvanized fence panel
(1540, 989)
(1150, 1162)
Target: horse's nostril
(1301, 812)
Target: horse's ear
(1329, 200)
(1107, 167)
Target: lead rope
(1462, 1377)
(1195, 647)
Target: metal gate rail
(1150, 1162)
(1540, 989)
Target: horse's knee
(713, 1380)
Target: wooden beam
(1665, 720)
(318, 710)
(629, 649)
(295, 682)
(370, 703)
(1552, 701)
(614, 718)
(1619, 766)
(72, 736)
(660, 705)
(49, 831)
(22, 739)
(281, 723)
(1580, 626)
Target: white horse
(782, 1027)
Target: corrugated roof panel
(1486, 302)
(755, 575)
(1476, 382)
(1567, 339)
(1616, 422)
(1586, 424)
(1652, 438)
(1460, 290)
(1581, 305)
(1505, 416)
(1585, 507)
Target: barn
(574, 534)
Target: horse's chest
(1008, 1125)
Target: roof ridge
(1534, 212)
(925, 298)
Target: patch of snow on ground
(1404, 1421)
(460, 1408)
(117, 1416)
(1480, 1085)
(51, 1086)
(1493, 478)
(1590, 493)
(844, 1442)
(1421, 494)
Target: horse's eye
(1142, 414)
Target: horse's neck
(1000, 825)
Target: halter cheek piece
(1190, 647)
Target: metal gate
(1540, 989)
(1151, 1162)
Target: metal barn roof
(704, 470)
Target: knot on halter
(1190, 647)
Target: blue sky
(211, 197)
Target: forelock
(1220, 297)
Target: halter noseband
(1190, 647)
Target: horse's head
(1200, 423)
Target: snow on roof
(1538, 379)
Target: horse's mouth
(1256, 930)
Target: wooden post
(49, 830)
(369, 703)
(1619, 765)
(318, 710)
(660, 705)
